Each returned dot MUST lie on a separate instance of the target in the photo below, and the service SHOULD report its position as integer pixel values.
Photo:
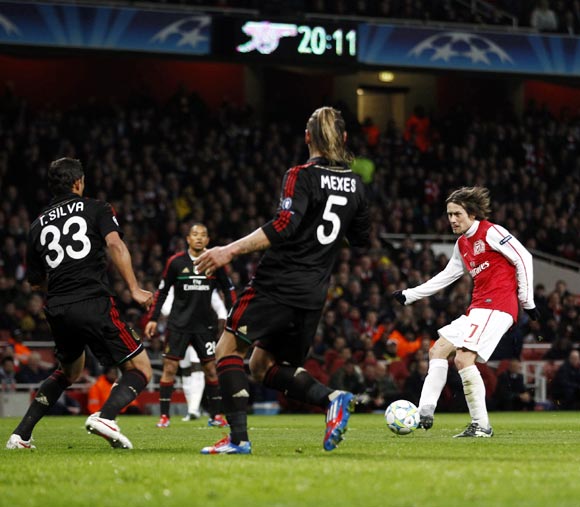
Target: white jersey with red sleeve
(499, 264)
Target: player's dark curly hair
(474, 200)
(327, 128)
(62, 173)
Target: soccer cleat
(15, 442)
(426, 415)
(225, 446)
(109, 430)
(190, 417)
(337, 417)
(218, 421)
(164, 421)
(474, 430)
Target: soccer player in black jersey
(191, 321)
(67, 256)
(321, 203)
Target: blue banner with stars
(463, 49)
(110, 28)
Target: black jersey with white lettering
(191, 311)
(66, 244)
(320, 205)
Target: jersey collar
(471, 231)
(325, 162)
(63, 197)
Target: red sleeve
(293, 205)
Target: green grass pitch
(533, 460)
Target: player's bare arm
(121, 258)
(219, 256)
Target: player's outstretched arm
(219, 256)
(452, 272)
(122, 260)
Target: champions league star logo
(188, 29)
(451, 45)
(9, 27)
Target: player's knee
(258, 368)
(438, 353)
(170, 368)
(147, 372)
(142, 367)
(258, 373)
(229, 345)
(210, 371)
(463, 361)
(442, 349)
(140, 362)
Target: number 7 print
(473, 331)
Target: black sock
(298, 384)
(165, 392)
(213, 398)
(131, 384)
(235, 389)
(47, 395)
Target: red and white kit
(502, 273)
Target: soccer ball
(402, 417)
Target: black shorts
(175, 344)
(284, 331)
(97, 324)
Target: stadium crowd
(163, 166)
(542, 15)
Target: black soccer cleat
(426, 416)
(426, 422)
(474, 430)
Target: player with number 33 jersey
(72, 228)
(67, 250)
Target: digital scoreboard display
(299, 43)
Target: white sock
(434, 382)
(193, 386)
(474, 390)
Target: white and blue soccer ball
(402, 417)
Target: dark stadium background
(169, 139)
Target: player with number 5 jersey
(67, 256)
(322, 203)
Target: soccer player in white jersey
(502, 273)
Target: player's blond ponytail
(327, 127)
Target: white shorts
(480, 331)
(190, 357)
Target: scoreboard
(265, 41)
